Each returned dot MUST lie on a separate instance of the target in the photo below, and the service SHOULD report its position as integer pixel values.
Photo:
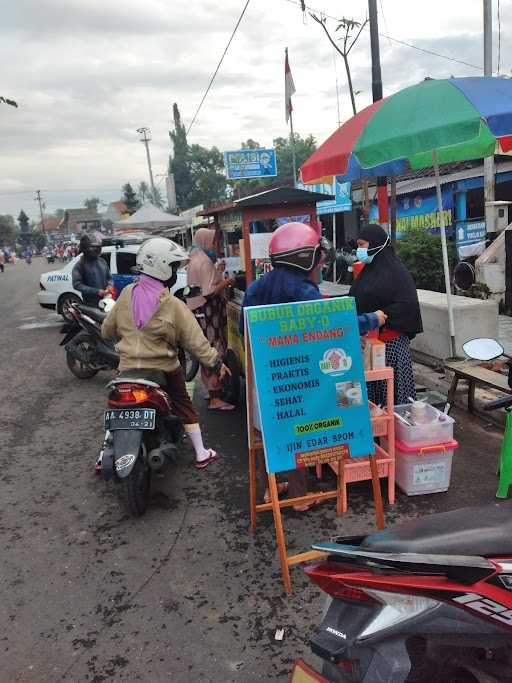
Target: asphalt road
(184, 594)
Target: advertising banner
(419, 212)
(310, 382)
(250, 163)
(470, 232)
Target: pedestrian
(91, 275)
(206, 272)
(295, 252)
(2, 261)
(150, 323)
(385, 283)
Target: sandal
(204, 463)
(281, 489)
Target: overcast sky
(87, 73)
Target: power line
(218, 66)
(401, 42)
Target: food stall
(244, 228)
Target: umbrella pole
(446, 266)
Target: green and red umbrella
(457, 119)
(434, 122)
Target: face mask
(363, 255)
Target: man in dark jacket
(91, 275)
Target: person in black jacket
(386, 284)
(91, 275)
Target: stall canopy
(150, 218)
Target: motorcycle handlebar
(505, 402)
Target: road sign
(250, 163)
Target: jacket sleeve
(109, 326)
(190, 336)
(78, 281)
(367, 322)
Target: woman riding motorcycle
(149, 324)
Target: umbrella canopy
(150, 217)
(458, 118)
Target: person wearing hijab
(386, 284)
(204, 271)
(148, 324)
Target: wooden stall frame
(255, 444)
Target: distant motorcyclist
(91, 275)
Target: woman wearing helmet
(295, 251)
(149, 324)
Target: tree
(8, 230)
(92, 203)
(130, 198)
(422, 255)
(347, 26)
(23, 221)
(143, 192)
(38, 239)
(304, 148)
(179, 162)
(156, 198)
(209, 183)
(5, 100)
(59, 213)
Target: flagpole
(292, 143)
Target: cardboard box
(378, 353)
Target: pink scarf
(145, 299)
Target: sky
(87, 73)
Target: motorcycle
(427, 600)
(86, 351)
(141, 435)
(50, 257)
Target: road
(183, 594)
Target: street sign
(342, 200)
(310, 382)
(469, 232)
(250, 163)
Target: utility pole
(38, 199)
(488, 161)
(145, 137)
(382, 187)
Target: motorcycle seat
(92, 312)
(484, 530)
(148, 374)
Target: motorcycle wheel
(65, 302)
(189, 364)
(81, 370)
(134, 490)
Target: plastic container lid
(446, 446)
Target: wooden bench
(474, 374)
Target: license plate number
(130, 418)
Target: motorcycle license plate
(130, 418)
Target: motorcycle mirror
(483, 349)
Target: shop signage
(419, 212)
(250, 163)
(342, 199)
(310, 382)
(230, 221)
(470, 232)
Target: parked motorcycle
(86, 351)
(428, 600)
(141, 435)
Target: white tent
(151, 218)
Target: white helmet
(158, 257)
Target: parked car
(56, 287)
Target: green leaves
(12, 103)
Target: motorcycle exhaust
(159, 456)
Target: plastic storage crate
(437, 431)
(424, 469)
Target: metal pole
(40, 209)
(292, 142)
(334, 273)
(490, 223)
(446, 266)
(146, 143)
(382, 189)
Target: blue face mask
(363, 255)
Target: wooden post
(377, 494)
(278, 523)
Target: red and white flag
(289, 87)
